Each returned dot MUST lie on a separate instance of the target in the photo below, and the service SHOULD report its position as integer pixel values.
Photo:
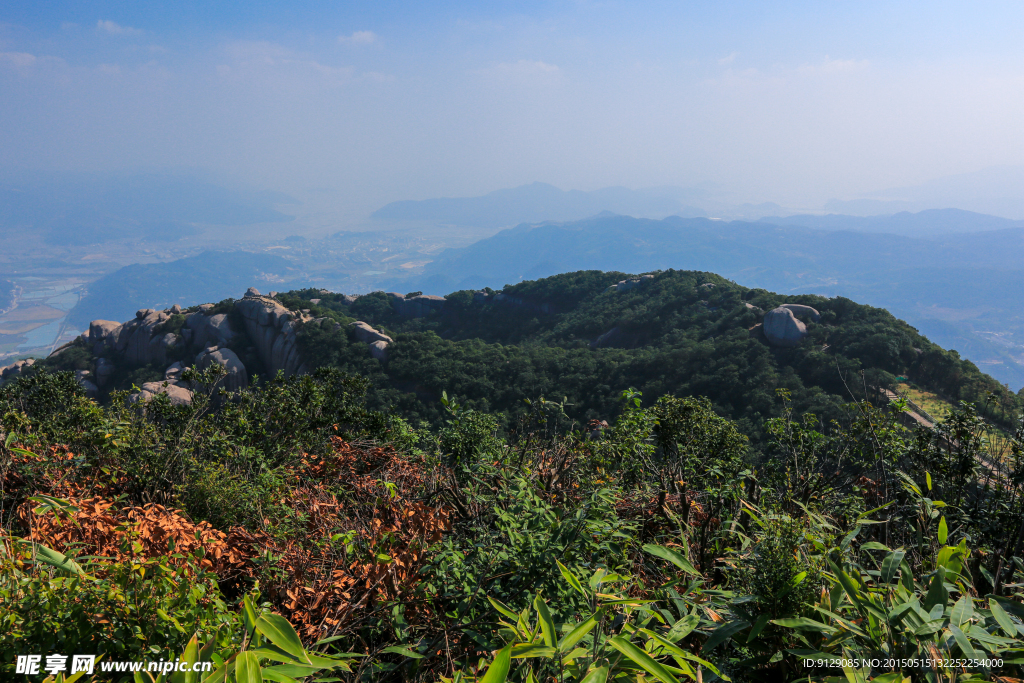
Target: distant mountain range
(961, 289)
(928, 223)
(536, 202)
(998, 190)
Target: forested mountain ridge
(381, 526)
(678, 332)
(578, 337)
(959, 289)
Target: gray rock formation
(236, 377)
(379, 350)
(212, 330)
(271, 328)
(104, 369)
(418, 306)
(84, 378)
(377, 340)
(173, 371)
(143, 341)
(800, 309)
(632, 283)
(13, 370)
(365, 333)
(178, 395)
(781, 328)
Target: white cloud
(526, 66)
(263, 58)
(831, 66)
(17, 59)
(359, 38)
(729, 59)
(115, 29)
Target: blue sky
(791, 102)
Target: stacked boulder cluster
(269, 325)
(152, 338)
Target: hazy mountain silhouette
(971, 280)
(928, 223)
(535, 202)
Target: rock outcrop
(800, 309)
(781, 327)
(379, 350)
(632, 283)
(271, 328)
(366, 333)
(202, 336)
(235, 378)
(12, 371)
(177, 394)
(419, 306)
(377, 340)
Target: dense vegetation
(683, 332)
(745, 513)
(662, 547)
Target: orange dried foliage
(320, 588)
(98, 528)
(326, 588)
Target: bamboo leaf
(804, 624)
(873, 545)
(547, 624)
(683, 628)
(278, 631)
(278, 677)
(962, 611)
(1002, 618)
(531, 650)
(642, 659)
(891, 564)
(964, 643)
(497, 672)
(943, 530)
(937, 593)
(53, 558)
(571, 579)
(723, 633)
(578, 633)
(759, 625)
(672, 556)
(190, 655)
(501, 607)
(292, 670)
(598, 675)
(247, 668)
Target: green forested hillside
(682, 332)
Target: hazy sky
(374, 101)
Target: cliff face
(200, 338)
(271, 328)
